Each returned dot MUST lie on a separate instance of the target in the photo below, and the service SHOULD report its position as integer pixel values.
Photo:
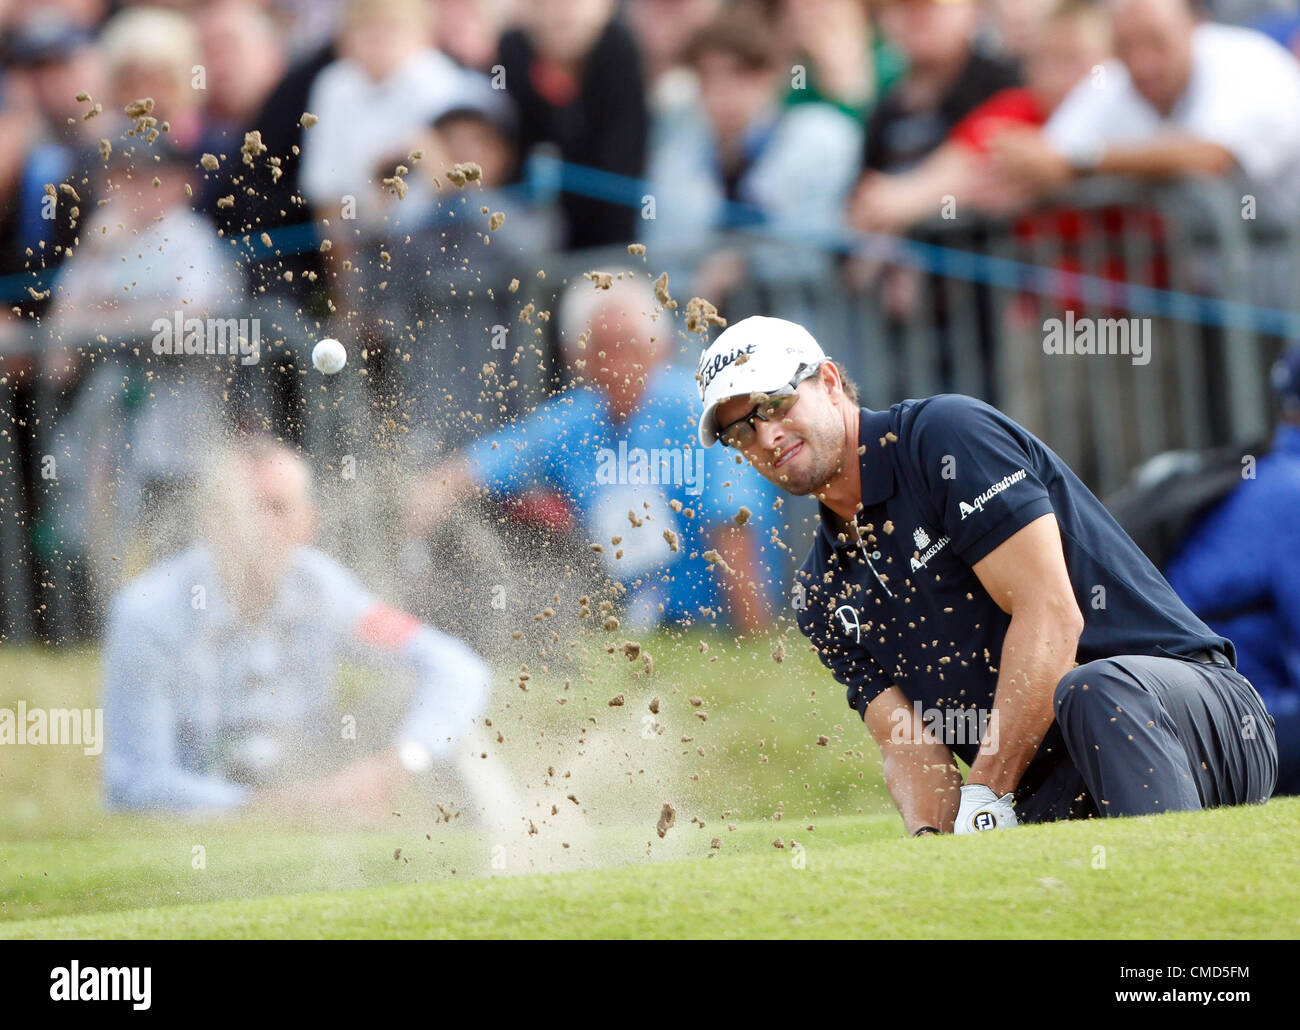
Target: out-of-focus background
(937, 189)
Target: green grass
(1222, 874)
(759, 742)
(67, 869)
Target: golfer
(978, 602)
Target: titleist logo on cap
(710, 367)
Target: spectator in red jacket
(1072, 40)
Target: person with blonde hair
(387, 85)
(154, 53)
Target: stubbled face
(802, 452)
(1154, 40)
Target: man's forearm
(925, 784)
(1167, 159)
(455, 685)
(1036, 652)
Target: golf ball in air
(329, 356)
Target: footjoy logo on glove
(985, 820)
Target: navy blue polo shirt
(945, 480)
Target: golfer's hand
(981, 809)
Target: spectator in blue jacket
(616, 448)
(1239, 570)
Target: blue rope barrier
(545, 176)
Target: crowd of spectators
(293, 156)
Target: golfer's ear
(829, 374)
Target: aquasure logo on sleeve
(977, 505)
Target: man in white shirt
(220, 670)
(1183, 98)
(388, 86)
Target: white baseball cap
(756, 355)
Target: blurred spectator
(144, 253)
(220, 665)
(1072, 40)
(846, 61)
(286, 281)
(619, 449)
(271, 196)
(946, 80)
(664, 30)
(485, 133)
(1014, 26)
(145, 256)
(1184, 98)
(153, 52)
(388, 84)
(1238, 569)
(51, 59)
(468, 30)
(790, 166)
(435, 310)
(243, 62)
(574, 71)
(305, 26)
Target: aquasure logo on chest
(710, 368)
(924, 549)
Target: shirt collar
(874, 467)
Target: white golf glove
(981, 809)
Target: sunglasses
(775, 404)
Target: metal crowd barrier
(1216, 322)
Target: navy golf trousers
(1136, 735)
